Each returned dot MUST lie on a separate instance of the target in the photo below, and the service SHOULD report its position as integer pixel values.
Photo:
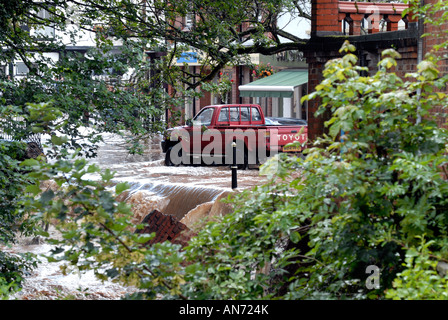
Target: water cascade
(172, 199)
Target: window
(255, 115)
(235, 114)
(204, 118)
(21, 68)
(45, 31)
(188, 21)
(245, 114)
(224, 115)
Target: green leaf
(34, 189)
(29, 163)
(107, 175)
(120, 187)
(93, 168)
(56, 140)
(47, 196)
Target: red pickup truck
(217, 130)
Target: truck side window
(245, 114)
(255, 115)
(224, 115)
(234, 114)
(204, 118)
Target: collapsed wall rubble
(166, 227)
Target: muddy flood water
(176, 191)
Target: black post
(234, 167)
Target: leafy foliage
(86, 87)
(13, 270)
(232, 258)
(211, 28)
(419, 280)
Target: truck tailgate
(284, 135)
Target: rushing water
(176, 200)
(171, 190)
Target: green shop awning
(280, 84)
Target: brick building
(372, 27)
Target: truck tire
(168, 161)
